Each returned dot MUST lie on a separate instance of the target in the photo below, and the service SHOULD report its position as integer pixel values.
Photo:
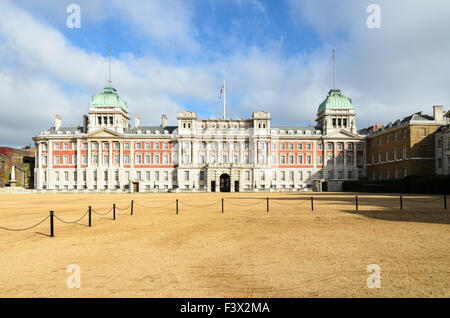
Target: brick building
(442, 141)
(404, 147)
(23, 161)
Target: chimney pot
(136, 121)
(58, 121)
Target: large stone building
(405, 147)
(106, 154)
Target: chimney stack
(136, 121)
(163, 121)
(85, 123)
(58, 120)
(438, 113)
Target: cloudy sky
(172, 55)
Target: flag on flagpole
(221, 90)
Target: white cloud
(389, 73)
(393, 71)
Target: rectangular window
(202, 175)
(105, 159)
(116, 159)
(66, 160)
(157, 175)
(147, 159)
(308, 146)
(319, 159)
(56, 176)
(127, 159)
(138, 175)
(66, 176)
(138, 146)
(147, 146)
(247, 175)
(56, 160)
(147, 175)
(291, 175)
(95, 159)
(166, 175)
(186, 176)
(319, 146)
(138, 159)
(66, 146)
(127, 146)
(105, 175)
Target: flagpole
(224, 100)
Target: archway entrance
(225, 183)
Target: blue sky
(172, 55)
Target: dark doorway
(213, 186)
(324, 186)
(225, 183)
(236, 186)
(135, 186)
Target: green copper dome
(109, 97)
(335, 100)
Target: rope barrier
(24, 229)
(295, 204)
(417, 200)
(101, 214)
(199, 206)
(153, 207)
(117, 208)
(236, 204)
(73, 221)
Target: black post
(177, 206)
(401, 202)
(90, 211)
(267, 204)
(356, 198)
(445, 202)
(52, 233)
(312, 204)
(132, 203)
(222, 205)
(114, 211)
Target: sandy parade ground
(246, 251)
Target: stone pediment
(340, 134)
(103, 133)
